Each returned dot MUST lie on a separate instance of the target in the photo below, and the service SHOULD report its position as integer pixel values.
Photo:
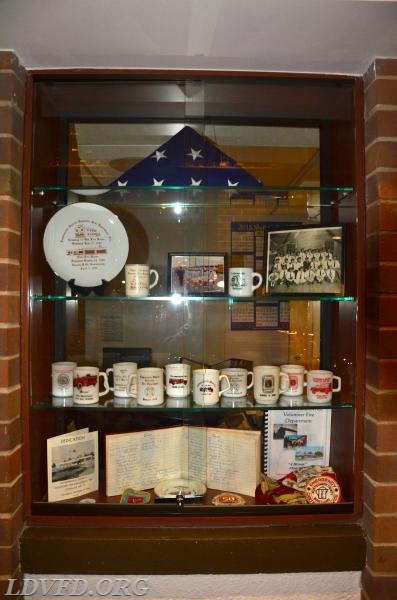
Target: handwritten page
(233, 460)
(143, 458)
(223, 459)
(196, 453)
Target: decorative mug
(320, 385)
(177, 380)
(297, 383)
(139, 280)
(150, 386)
(206, 384)
(243, 281)
(86, 385)
(62, 378)
(238, 379)
(269, 381)
(124, 384)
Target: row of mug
(208, 385)
(140, 279)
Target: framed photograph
(196, 274)
(308, 260)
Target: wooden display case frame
(185, 538)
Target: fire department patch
(323, 489)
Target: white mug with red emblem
(320, 386)
(297, 383)
(177, 380)
(86, 385)
(206, 384)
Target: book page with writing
(233, 460)
(196, 444)
(143, 458)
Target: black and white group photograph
(305, 261)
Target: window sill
(193, 550)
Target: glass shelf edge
(191, 409)
(263, 190)
(181, 299)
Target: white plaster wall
(288, 586)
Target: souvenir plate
(87, 243)
(189, 488)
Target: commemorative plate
(87, 243)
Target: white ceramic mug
(139, 280)
(150, 386)
(177, 380)
(124, 384)
(86, 385)
(62, 378)
(238, 379)
(269, 381)
(206, 384)
(297, 383)
(243, 281)
(320, 385)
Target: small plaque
(130, 496)
(228, 499)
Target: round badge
(323, 489)
(228, 499)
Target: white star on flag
(195, 153)
(194, 182)
(157, 183)
(122, 183)
(159, 154)
(230, 184)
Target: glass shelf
(93, 190)
(209, 196)
(186, 405)
(180, 299)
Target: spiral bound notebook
(294, 439)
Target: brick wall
(380, 452)
(11, 136)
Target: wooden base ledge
(166, 551)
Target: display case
(193, 177)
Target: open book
(223, 459)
